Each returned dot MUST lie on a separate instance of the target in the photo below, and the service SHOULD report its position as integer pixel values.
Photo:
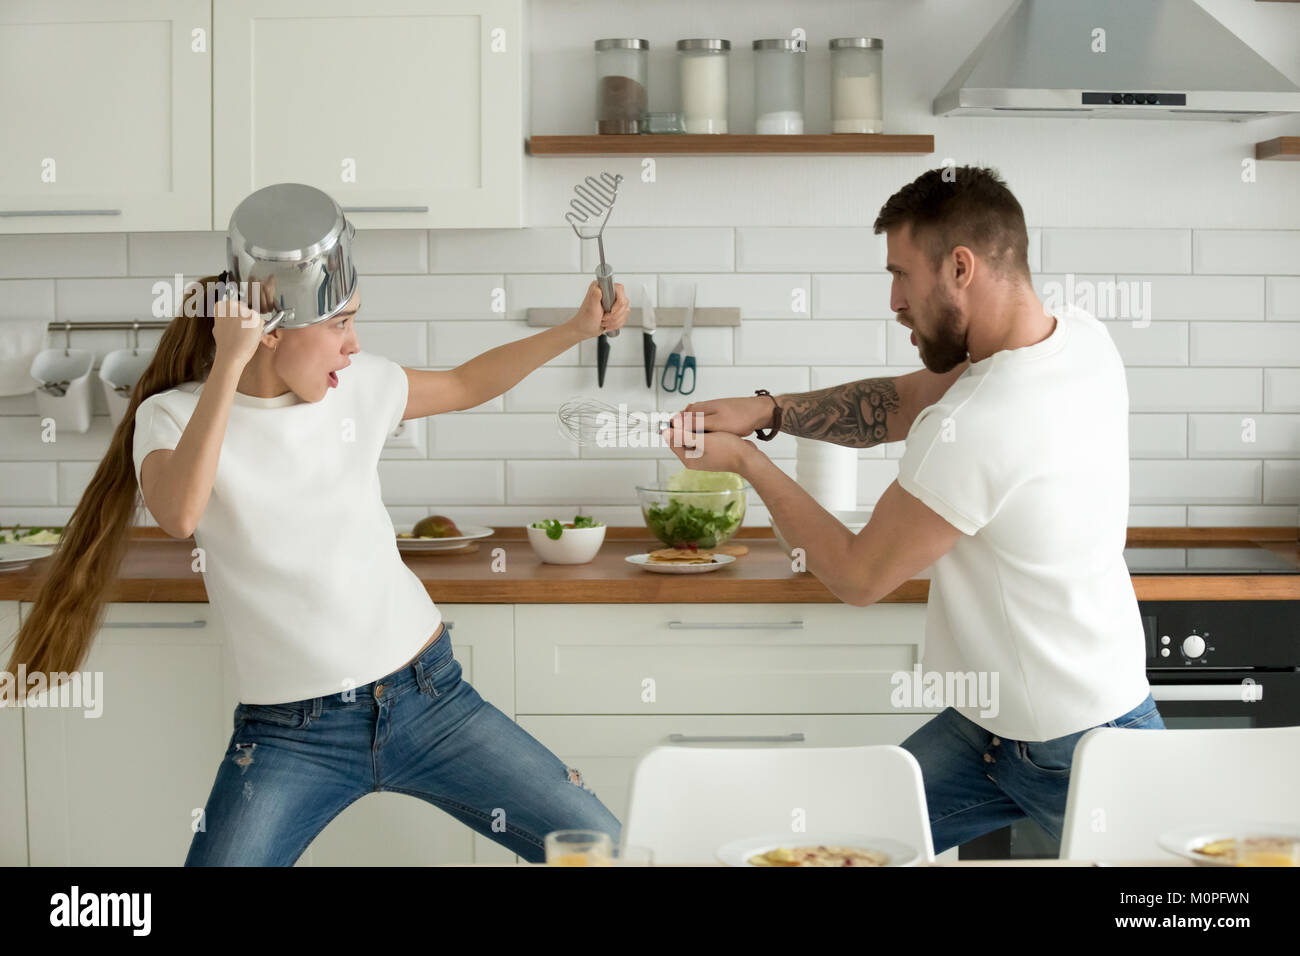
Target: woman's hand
(237, 330)
(591, 319)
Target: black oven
(1209, 664)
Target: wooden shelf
(643, 144)
(665, 316)
(1284, 147)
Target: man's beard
(947, 349)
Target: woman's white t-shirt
(299, 553)
(1027, 455)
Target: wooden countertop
(157, 568)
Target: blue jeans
(292, 768)
(976, 783)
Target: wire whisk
(591, 421)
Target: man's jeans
(976, 783)
(291, 768)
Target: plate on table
(470, 533)
(15, 557)
(643, 561)
(891, 852)
(1211, 844)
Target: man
(1013, 486)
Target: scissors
(682, 358)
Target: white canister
(856, 85)
(778, 85)
(703, 68)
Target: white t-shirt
(1027, 455)
(301, 559)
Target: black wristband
(775, 427)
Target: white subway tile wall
(1212, 349)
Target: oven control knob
(1193, 646)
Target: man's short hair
(971, 206)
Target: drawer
(606, 749)
(713, 658)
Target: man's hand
(592, 320)
(738, 416)
(715, 451)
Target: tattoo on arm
(854, 414)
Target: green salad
(678, 523)
(554, 528)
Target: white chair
(1127, 787)
(688, 801)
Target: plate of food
(15, 557)
(680, 560)
(818, 849)
(1251, 843)
(440, 533)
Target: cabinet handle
(60, 212)
(1244, 693)
(449, 624)
(171, 624)
(385, 208)
(742, 625)
(726, 738)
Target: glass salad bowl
(680, 519)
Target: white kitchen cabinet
(396, 829)
(122, 788)
(606, 749)
(106, 108)
(713, 658)
(408, 112)
(13, 792)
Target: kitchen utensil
(682, 358)
(294, 241)
(739, 852)
(643, 561)
(586, 420)
(648, 336)
(594, 197)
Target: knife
(648, 336)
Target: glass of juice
(578, 848)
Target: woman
(265, 447)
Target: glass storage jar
(621, 96)
(703, 69)
(856, 104)
(778, 85)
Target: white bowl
(854, 520)
(573, 546)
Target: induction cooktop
(1226, 560)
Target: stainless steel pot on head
(295, 243)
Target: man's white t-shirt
(1027, 455)
(300, 554)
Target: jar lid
(861, 43)
(789, 44)
(622, 43)
(702, 44)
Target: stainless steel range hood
(1163, 59)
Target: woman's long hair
(67, 612)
